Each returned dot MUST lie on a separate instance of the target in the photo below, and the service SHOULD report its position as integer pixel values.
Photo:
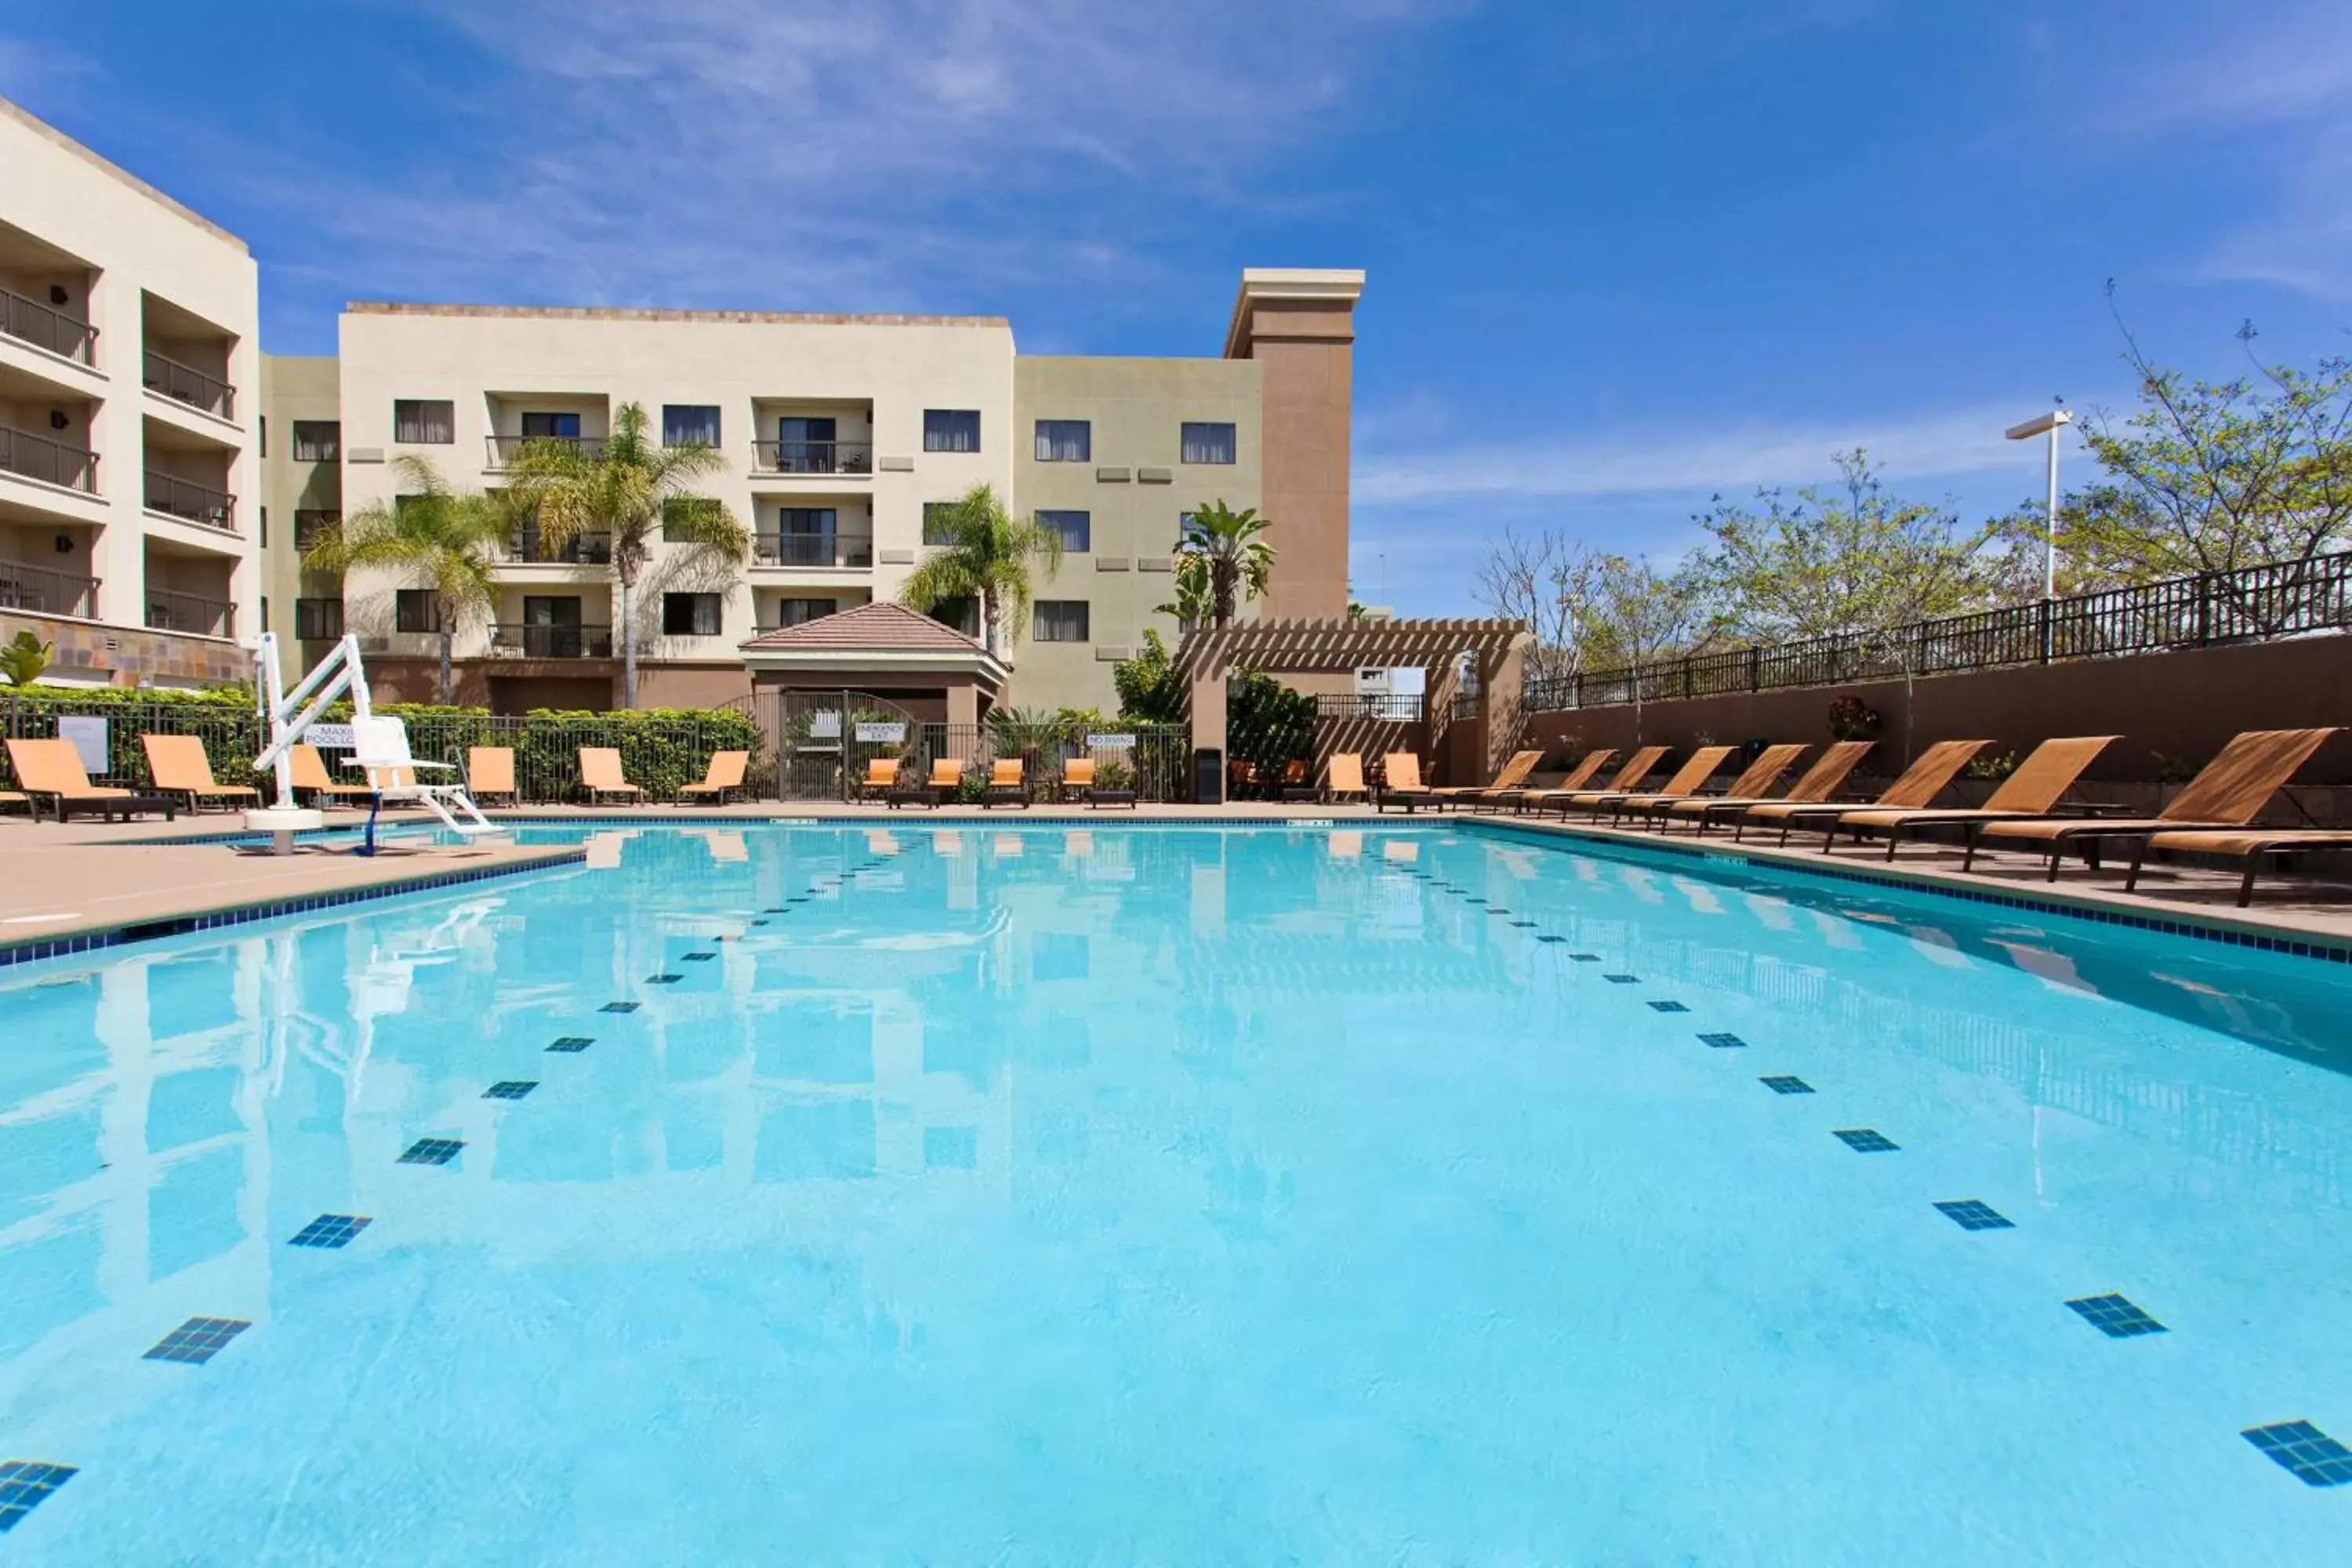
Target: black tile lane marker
(1622, 979)
(1723, 1042)
(1973, 1213)
(1865, 1141)
(431, 1152)
(509, 1089)
(2115, 1317)
(664, 979)
(1668, 1007)
(197, 1340)
(702, 957)
(618, 1007)
(332, 1231)
(1784, 1083)
(1584, 957)
(572, 1043)
(2304, 1452)
(26, 1485)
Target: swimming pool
(1159, 1193)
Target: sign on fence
(88, 737)
(881, 734)
(333, 737)
(1110, 743)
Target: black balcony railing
(813, 549)
(813, 456)
(2212, 609)
(185, 384)
(511, 641)
(47, 593)
(55, 462)
(524, 543)
(31, 322)
(186, 499)
(505, 449)
(1381, 708)
(170, 612)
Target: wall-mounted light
(57, 420)
(65, 544)
(57, 295)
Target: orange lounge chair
(1920, 783)
(1697, 768)
(53, 768)
(489, 769)
(947, 778)
(600, 775)
(2227, 793)
(2250, 847)
(2037, 785)
(1638, 766)
(311, 774)
(1401, 780)
(1818, 784)
(1344, 775)
(1577, 777)
(721, 778)
(178, 765)
(881, 777)
(1761, 774)
(1006, 784)
(1509, 776)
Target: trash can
(1209, 776)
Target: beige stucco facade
(129, 420)
(302, 489)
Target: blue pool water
(1167, 1195)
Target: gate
(822, 741)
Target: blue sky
(1620, 256)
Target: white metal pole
(2049, 531)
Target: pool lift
(379, 746)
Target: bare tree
(1542, 581)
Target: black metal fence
(825, 744)
(2212, 609)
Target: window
(1059, 620)
(1077, 528)
(691, 614)
(938, 522)
(264, 449)
(306, 527)
(794, 612)
(318, 620)
(1208, 443)
(265, 612)
(430, 423)
(412, 610)
(951, 429)
(806, 518)
(1065, 441)
(963, 615)
(551, 426)
(264, 535)
(679, 510)
(689, 424)
(318, 440)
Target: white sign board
(334, 737)
(825, 726)
(881, 734)
(88, 737)
(1110, 743)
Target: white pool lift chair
(379, 747)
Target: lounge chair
(379, 747)
(600, 775)
(1401, 780)
(947, 778)
(1638, 766)
(1297, 785)
(1344, 775)
(2248, 847)
(1078, 784)
(53, 769)
(1922, 782)
(1509, 776)
(1760, 776)
(2227, 793)
(1007, 784)
(1697, 768)
(1818, 783)
(721, 778)
(489, 769)
(2037, 785)
(1577, 777)
(311, 774)
(179, 767)
(881, 777)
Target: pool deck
(76, 877)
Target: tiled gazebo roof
(883, 625)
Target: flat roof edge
(40, 127)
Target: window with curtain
(318, 620)
(951, 429)
(414, 610)
(1058, 620)
(795, 611)
(318, 440)
(429, 422)
(963, 615)
(691, 614)
(551, 426)
(1065, 441)
(679, 510)
(1208, 443)
(689, 424)
(1076, 528)
(936, 515)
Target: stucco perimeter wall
(2183, 705)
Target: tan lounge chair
(1343, 776)
(1509, 776)
(1818, 783)
(1697, 768)
(178, 765)
(2227, 793)
(1920, 783)
(881, 777)
(721, 778)
(1638, 766)
(600, 774)
(947, 778)
(1577, 777)
(1078, 784)
(489, 769)
(1760, 776)
(2248, 847)
(2037, 785)
(311, 774)
(1007, 784)
(53, 769)
(1400, 780)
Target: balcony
(505, 449)
(185, 384)
(30, 320)
(51, 462)
(813, 456)
(524, 545)
(170, 612)
(185, 499)
(844, 550)
(510, 640)
(47, 593)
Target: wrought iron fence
(186, 384)
(2212, 609)
(825, 744)
(1381, 707)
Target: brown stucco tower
(1299, 323)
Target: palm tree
(637, 491)
(1226, 543)
(1191, 606)
(429, 534)
(985, 557)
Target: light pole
(2048, 424)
